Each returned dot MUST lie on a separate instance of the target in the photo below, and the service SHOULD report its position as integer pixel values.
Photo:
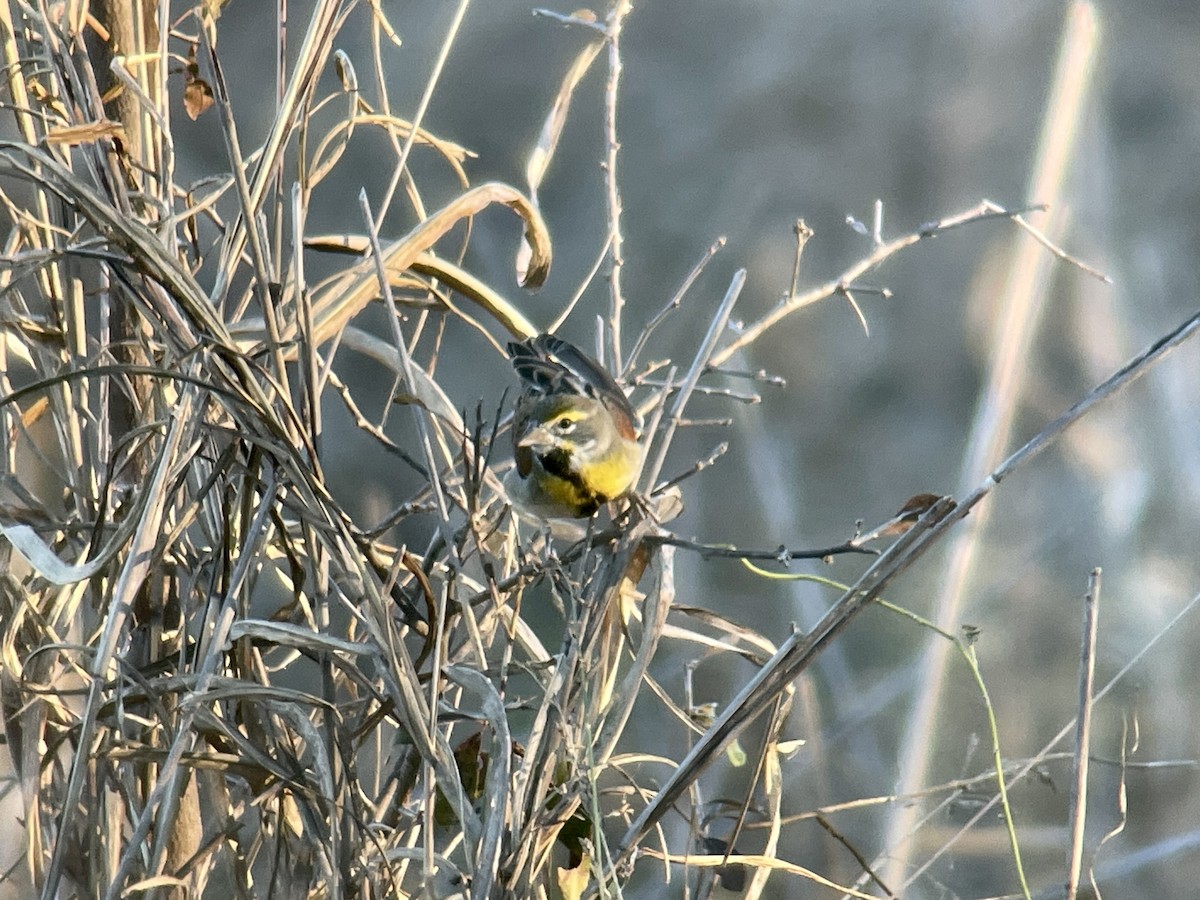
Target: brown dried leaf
(916, 506)
(197, 93)
(197, 97)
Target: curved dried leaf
(552, 128)
(341, 301)
(288, 635)
(45, 561)
(452, 275)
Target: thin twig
(1040, 236)
(1083, 733)
(781, 555)
(858, 857)
(981, 212)
(803, 235)
(431, 82)
(613, 26)
(673, 304)
(844, 290)
(699, 466)
(700, 362)
(570, 305)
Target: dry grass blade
(1129, 745)
(552, 128)
(495, 814)
(133, 573)
(337, 304)
(314, 50)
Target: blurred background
(737, 119)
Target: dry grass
(214, 678)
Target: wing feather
(551, 365)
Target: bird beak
(536, 438)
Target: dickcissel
(575, 434)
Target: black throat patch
(557, 463)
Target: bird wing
(549, 365)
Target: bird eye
(565, 424)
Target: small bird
(575, 434)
